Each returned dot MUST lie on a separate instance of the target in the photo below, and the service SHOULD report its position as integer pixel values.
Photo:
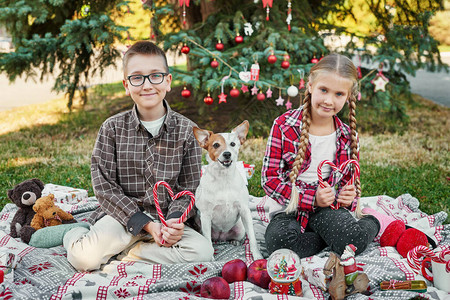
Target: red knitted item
(410, 239)
(392, 233)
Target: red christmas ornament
(272, 59)
(234, 92)
(214, 63)
(185, 49)
(208, 100)
(285, 64)
(220, 46)
(261, 96)
(314, 60)
(185, 93)
(239, 39)
(286, 57)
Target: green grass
(48, 142)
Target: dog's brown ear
(242, 130)
(202, 136)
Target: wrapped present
(312, 271)
(65, 194)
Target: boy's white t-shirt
(322, 148)
(154, 126)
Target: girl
(299, 140)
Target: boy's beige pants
(88, 249)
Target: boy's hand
(325, 196)
(347, 195)
(173, 232)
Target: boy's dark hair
(146, 48)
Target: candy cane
(414, 254)
(441, 257)
(341, 169)
(178, 195)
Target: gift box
(65, 194)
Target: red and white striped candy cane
(443, 259)
(174, 197)
(341, 169)
(413, 257)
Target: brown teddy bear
(48, 214)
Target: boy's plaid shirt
(127, 162)
(281, 150)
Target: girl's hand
(155, 230)
(347, 195)
(325, 196)
(172, 233)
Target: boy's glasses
(154, 78)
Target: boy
(134, 150)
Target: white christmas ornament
(292, 91)
(245, 76)
(248, 30)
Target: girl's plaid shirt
(282, 147)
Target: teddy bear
(49, 214)
(24, 195)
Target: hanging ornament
(245, 76)
(285, 64)
(272, 58)
(358, 68)
(244, 88)
(248, 29)
(288, 104)
(292, 91)
(267, 4)
(185, 93)
(185, 49)
(208, 100)
(301, 84)
(85, 10)
(289, 15)
(314, 60)
(380, 82)
(234, 92)
(238, 39)
(269, 93)
(184, 3)
(261, 96)
(254, 90)
(254, 72)
(279, 100)
(214, 63)
(220, 46)
(223, 96)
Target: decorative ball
(284, 265)
(285, 64)
(234, 92)
(239, 39)
(220, 46)
(286, 57)
(260, 96)
(208, 100)
(214, 63)
(271, 59)
(314, 60)
(186, 93)
(292, 91)
(185, 49)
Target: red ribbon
(183, 2)
(266, 2)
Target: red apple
(215, 288)
(257, 273)
(234, 270)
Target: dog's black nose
(227, 155)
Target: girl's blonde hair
(343, 67)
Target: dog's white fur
(222, 196)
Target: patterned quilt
(46, 273)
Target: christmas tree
(244, 51)
(71, 38)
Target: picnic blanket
(46, 274)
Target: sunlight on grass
(22, 161)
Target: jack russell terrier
(222, 196)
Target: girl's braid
(303, 146)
